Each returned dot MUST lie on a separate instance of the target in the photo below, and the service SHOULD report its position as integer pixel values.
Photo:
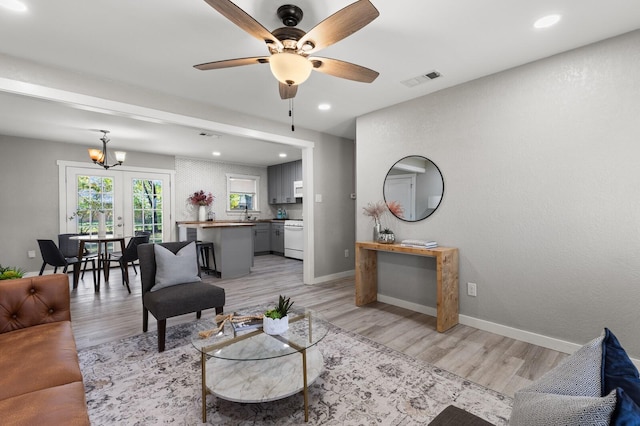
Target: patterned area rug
(364, 383)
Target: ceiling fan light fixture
(290, 68)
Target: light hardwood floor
(497, 362)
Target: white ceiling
(153, 44)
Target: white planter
(202, 214)
(275, 326)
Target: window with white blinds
(242, 192)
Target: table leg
(304, 382)
(366, 276)
(203, 361)
(100, 265)
(447, 291)
(125, 270)
(76, 267)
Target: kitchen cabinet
(298, 170)
(277, 238)
(287, 178)
(274, 177)
(281, 178)
(262, 238)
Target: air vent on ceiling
(423, 78)
(209, 134)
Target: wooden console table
(446, 271)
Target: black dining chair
(52, 255)
(129, 256)
(70, 249)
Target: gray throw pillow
(179, 268)
(547, 409)
(568, 395)
(579, 374)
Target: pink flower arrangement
(199, 198)
(396, 209)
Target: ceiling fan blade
(340, 25)
(344, 69)
(232, 63)
(287, 92)
(245, 21)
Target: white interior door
(402, 189)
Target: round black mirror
(413, 188)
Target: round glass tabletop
(306, 329)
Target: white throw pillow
(179, 268)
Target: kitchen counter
(232, 243)
(224, 223)
(215, 224)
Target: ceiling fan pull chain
(293, 128)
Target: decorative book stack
(419, 243)
(242, 322)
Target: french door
(132, 201)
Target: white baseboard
(492, 327)
(337, 276)
(427, 310)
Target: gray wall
(29, 193)
(541, 190)
(334, 224)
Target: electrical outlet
(346, 253)
(31, 254)
(472, 289)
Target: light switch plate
(318, 198)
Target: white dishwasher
(294, 239)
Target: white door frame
(168, 228)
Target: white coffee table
(256, 367)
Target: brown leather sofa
(40, 378)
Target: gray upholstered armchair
(166, 301)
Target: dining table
(103, 264)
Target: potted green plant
(10, 273)
(276, 320)
(386, 236)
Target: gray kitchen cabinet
(262, 238)
(274, 174)
(281, 178)
(277, 238)
(298, 172)
(288, 176)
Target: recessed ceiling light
(216, 153)
(547, 21)
(324, 107)
(282, 155)
(15, 5)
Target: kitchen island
(232, 242)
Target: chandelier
(100, 157)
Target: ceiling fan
(290, 47)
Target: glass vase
(376, 231)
